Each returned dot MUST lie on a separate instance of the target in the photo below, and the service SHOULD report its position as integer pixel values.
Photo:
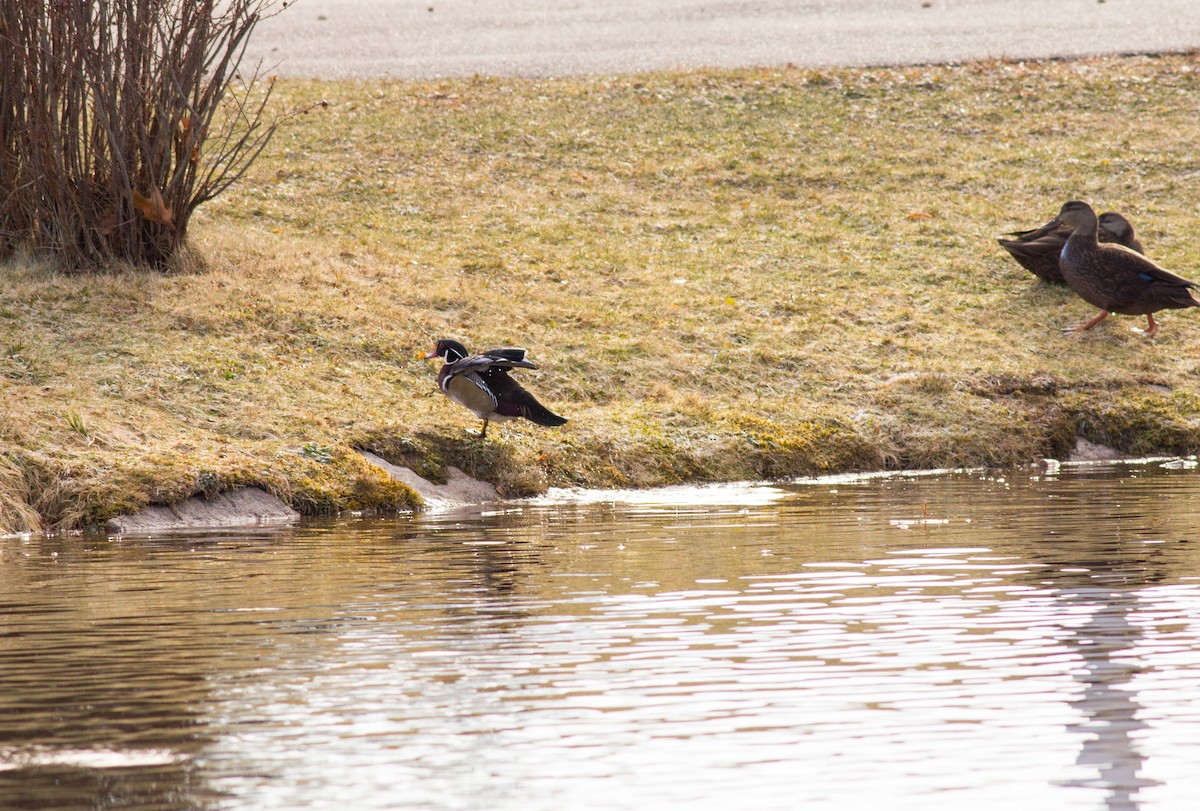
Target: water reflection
(1100, 575)
(96, 691)
(965, 640)
(1110, 712)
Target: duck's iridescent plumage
(482, 384)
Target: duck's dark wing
(1163, 276)
(511, 355)
(1033, 234)
(1129, 283)
(495, 359)
(1037, 250)
(1129, 261)
(1043, 245)
(514, 401)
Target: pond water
(951, 641)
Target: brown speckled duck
(1037, 250)
(483, 385)
(1114, 278)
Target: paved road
(435, 38)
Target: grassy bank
(723, 274)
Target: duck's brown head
(1118, 226)
(1077, 214)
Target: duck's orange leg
(1088, 324)
(1154, 326)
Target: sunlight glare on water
(964, 640)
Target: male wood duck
(1037, 250)
(482, 384)
(1114, 278)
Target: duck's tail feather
(517, 402)
(538, 413)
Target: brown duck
(1037, 249)
(1114, 278)
(482, 384)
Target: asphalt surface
(443, 38)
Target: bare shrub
(118, 118)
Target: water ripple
(910, 641)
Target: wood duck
(1114, 278)
(1037, 250)
(482, 384)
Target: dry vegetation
(118, 119)
(724, 275)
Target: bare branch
(118, 119)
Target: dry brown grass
(723, 274)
